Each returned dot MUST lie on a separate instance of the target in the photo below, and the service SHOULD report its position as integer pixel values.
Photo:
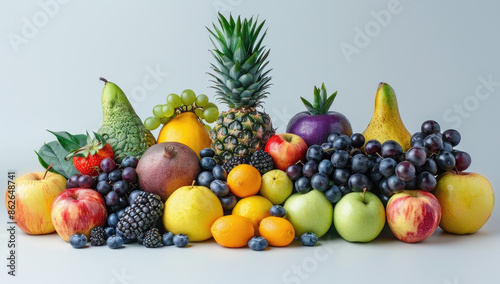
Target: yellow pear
(386, 123)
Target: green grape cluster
(187, 101)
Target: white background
(435, 55)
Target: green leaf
(54, 153)
(69, 142)
(309, 106)
(328, 103)
(44, 164)
(323, 96)
(316, 99)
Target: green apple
(276, 186)
(309, 212)
(359, 217)
(466, 200)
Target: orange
(244, 180)
(185, 128)
(254, 208)
(232, 231)
(277, 231)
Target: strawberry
(88, 158)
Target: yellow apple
(34, 194)
(276, 186)
(466, 200)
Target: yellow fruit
(278, 232)
(386, 123)
(232, 231)
(192, 210)
(185, 128)
(254, 208)
(276, 186)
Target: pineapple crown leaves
(239, 75)
(321, 103)
(93, 146)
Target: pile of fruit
(239, 182)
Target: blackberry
(141, 216)
(98, 236)
(152, 239)
(233, 162)
(262, 161)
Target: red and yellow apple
(413, 215)
(467, 201)
(34, 194)
(77, 211)
(286, 149)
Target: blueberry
(167, 239)
(219, 173)
(133, 195)
(110, 231)
(181, 240)
(333, 194)
(207, 163)
(320, 182)
(207, 152)
(205, 179)
(219, 187)
(113, 220)
(130, 161)
(114, 242)
(115, 176)
(314, 153)
(258, 243)
(277, 211)
(78, 240)
(228, 201)
(325, 167)
(309, 239)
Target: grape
(391, 149)
(132, 196)
(327, 148)
(205, 178)
(333, 194)
(207, 164)
(219, 173)
(130, 161)
(210, 105)
(416, 155)
(430, 127)
(102, 177)
(207, 152)
(320, 181)
(152, 122)
(445, 161)
(228, 202)
(356, 152)
(174, 100)
(357, 140)
(158, 111)
(405, 171)
(326, 167)
(447, 147)
(360, 163)
(383, 187)
(103, 188)
(373, 147)
(112, 199)
(165, 120)
(429, 166)
(374, 174)
(395, 184)
(121, 187)
(302, 185)
(219, 187)
(384, 199)
(207, 127)
(462, 160)
(387, 167)
(115, 176)
(188, 97)
(411, 184)
(309, 169)
(201, 100)
(358, 182)
(332, 137)
(433, 143)
(426, 181)
(85, 181)
(129, 174)
(345, 189)
(341, 176)
(418, 136)
(294, 172)
(199, 113)
(211, 114)
(314, 153)
(73, 181)
(107, 165)
(168, 110)
(340, 159)
(342, 142)
(452, 136)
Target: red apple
(413, 215)
(31, 200)
(286, 149)
(77, 211)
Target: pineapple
(241, 80)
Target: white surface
(433, 54)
